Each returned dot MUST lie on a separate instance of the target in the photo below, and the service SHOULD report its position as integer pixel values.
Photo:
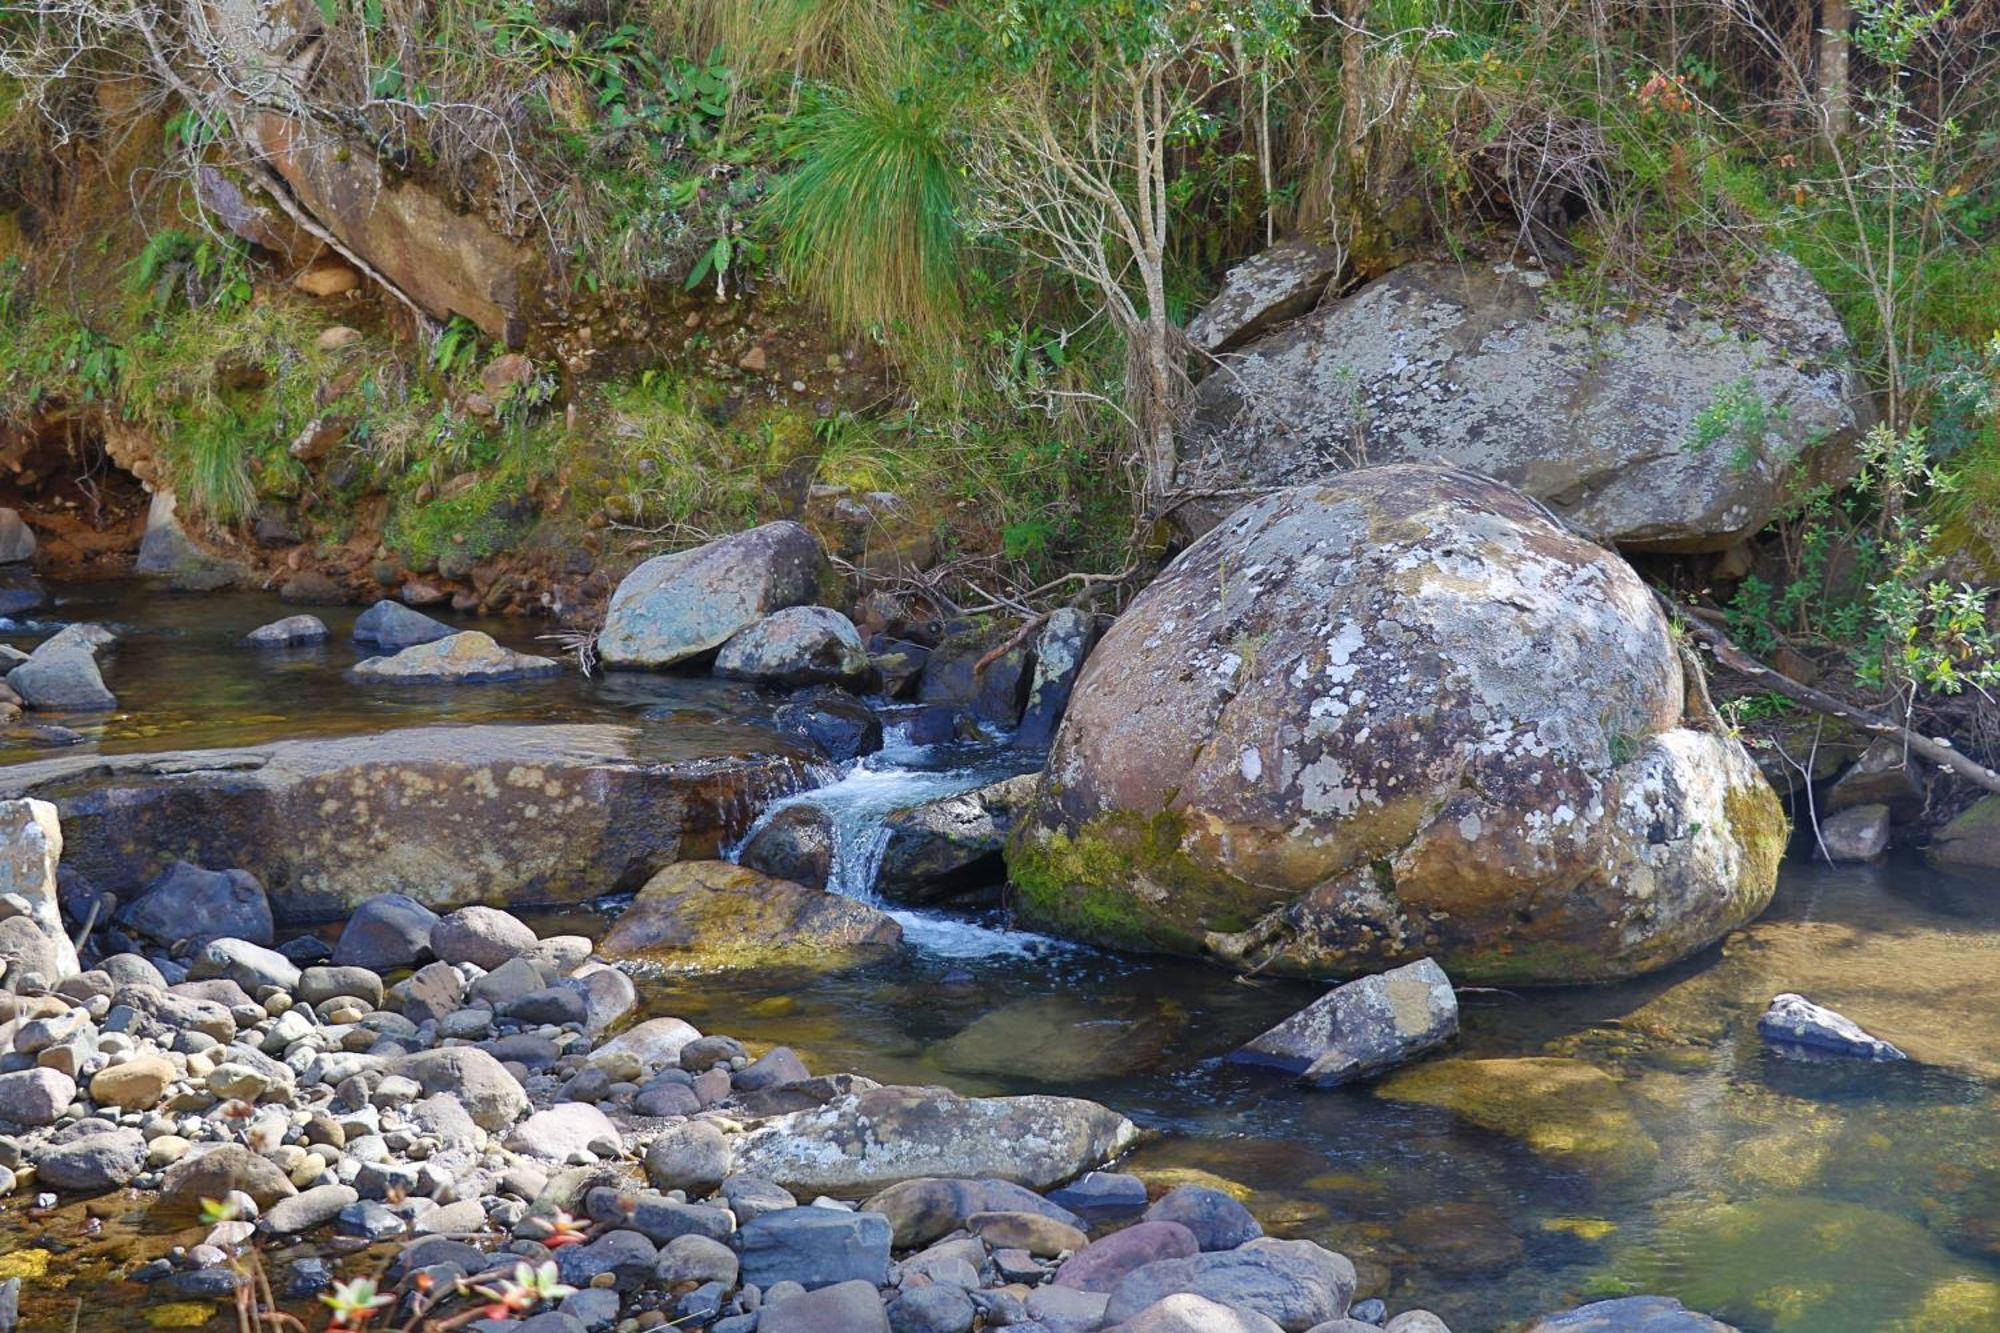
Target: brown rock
(710, 914)
(327, 280)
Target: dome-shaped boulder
(1402, 714)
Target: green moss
(1758, 820)
(1123, 880)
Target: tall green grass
(869, 217)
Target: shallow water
(1629, 1137)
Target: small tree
(1076, 163)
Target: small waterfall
(870, 789)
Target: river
(1633, 1137)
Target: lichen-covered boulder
(686, 603)
(800, 645)
(1644, 424)
(1402, 714)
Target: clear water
(1785, 1197)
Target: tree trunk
(1836, 21)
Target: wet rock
(1568, 1110)
(392, 626)
(61, 676)
(291, 632)
(17, 539)
(190, 903)
(520, 813)
(1971, 842)
(795, 844)
(1419, 711)
(1858, 833)
(711, 914)
(995, 692)
(1294, 1283)
(852, 1307)
(35, 1096)
(166, 551)
(814, 1247)
(681, 605)
(1795, 1021)
(386, 933)
(1189, 1313)
(1216, 1221)
(1632, 425)
(839, 724)
(1272, 286)
(801, 645)
(470, 1077)
(898, 665)
(31, 845)
(1630, 1314)
(92, 1163)
(951, 845)
(929, 1207)
(1059, 1039)
(466, 658)
(1059, 653)
(1358, 1030)
(692, 1157)
(875, 1138)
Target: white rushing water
(863, 794)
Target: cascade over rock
(1401, 714)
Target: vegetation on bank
(1017, 206)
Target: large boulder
(691, 602)
(1402, 714)
(31, 842)
(711, 914)
(872, 1139)
(1664, 429)
(525, 814)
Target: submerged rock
(681, 605)
(525, 813)
(1565, 1109)
(1362, 1028)
(1796, 1021)
(711, 914)
(1630, 1314)
(1059, 1038)
(801, 645)
(1663, 429)
(1403, 714)
(875, 1138)
(467, 658)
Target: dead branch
(1937, 750)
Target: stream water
(1579, 1142)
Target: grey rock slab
(814, 1247)
(1363, 1027)
(1793, 1020)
